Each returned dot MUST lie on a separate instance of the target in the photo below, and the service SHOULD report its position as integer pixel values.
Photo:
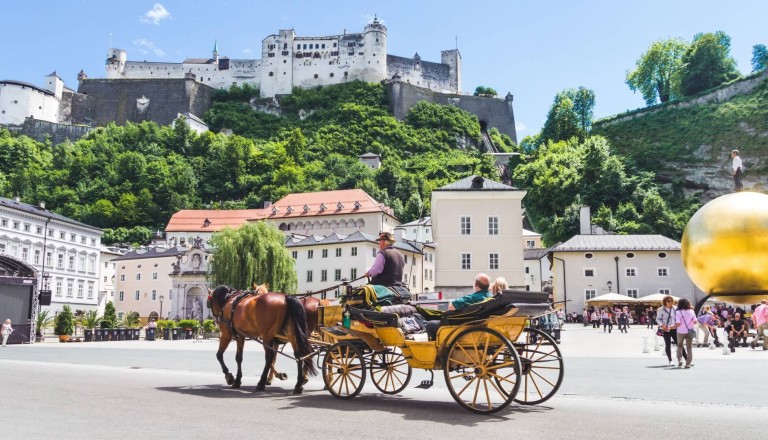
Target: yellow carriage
(489, 355)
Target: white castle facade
(289, 61)
(20, 100)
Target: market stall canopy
(612, 298)
(655, 298)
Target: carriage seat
(404, 316)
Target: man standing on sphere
(738, 170)
(387, 268)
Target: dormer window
(289, 210)
(275, 210)
(306, 209)
(339, 206)
(206, 223)
(323, 207)
(357, 205)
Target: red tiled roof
(353, 201)
(194, 220)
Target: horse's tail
(299, 316)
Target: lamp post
(610, 286)
(161, 298)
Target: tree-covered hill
(130, 179)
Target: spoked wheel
(542, 367)
(482, 370)
(344, 370)
(390, 371)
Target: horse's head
(219, 297)
(260, 289)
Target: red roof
(194, 220)
(341, 202)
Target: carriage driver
(387, 268)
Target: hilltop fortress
(135, 91)
(289, 61)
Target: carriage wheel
(344, 370)
(482, 370)
(390, 371)
(542, 367)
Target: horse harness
(228, 322)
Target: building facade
(107, 275)
(65, 253)
(143, 282)
(477, 227)
(20, 100)
(537, 268)
(587, 266)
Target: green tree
(65, 322)
(255, 252)
(707, 63)
(109, 320)
(759, 57)
(562, 121)
(583, 105)
(484, 91)
(657, 71)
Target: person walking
(665, 318)
(738, 170)
(651, 317)
(6, 330)
(760, 319)
(685, 324)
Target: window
(121, 296)
(295, 255)
(426, 272)
(589, 272)
(92, 264)
(136, 295)
(466, 261)
(374, 252)
(58, 288)
(431, 275)
(662, 255)
(631, 271)
(90, 291)
(15, 225)
(37, 256)
(83, 238)
(530, 244)
(527, 269)
(2, 247)
(71, 265)
(27, 227)
(466, 225)
(353, 273)
(154, 275)
(60, 261)
(69, 290)
(589, 294)
(62, 235)
(354, 251)
(48, 257)
(154, 295)
(79, 290)
(664, 291)
(81, 264)
(493, 226)
(309, 276)
(323, 275)
(24, 254)
(588, 255)
(325, 253)
(72, 237)
(338, 252)
(310, 253)
(493, 261)
(413, 281)
(663, 271)
(630, 255)
(138, 277)
(4, 222)
(632, 293)
(337, 275)
(39, 230)
(122, 277)
(406, 259)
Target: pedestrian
(595, 318)
(6, 330)
(685, 324)
(623, 320)
(605, 317)
(665, 318)
(760, 319)
(738, 170)
(651, 317)
(707, 323)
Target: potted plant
(209, 329)
(89, 320)
(132, 322)
(64, 324)
(164, 327)
(109, 321)
(190, 326)
(43, 322)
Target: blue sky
(532, 49)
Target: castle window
(323, 46)
(334, 44)
(271, 73)
(285, 53)
(315, 76)
(271, 54)
(305, 46)
(331, 73)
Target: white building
(289, 61)
(477, 227)
(419, 230)
(107, 274)
(537, 269)
(70, 249)
(20, 100)
(193, 122)
(634, 265)
(324, 261)
(531, 240)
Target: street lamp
(610, 286)
(161, 298)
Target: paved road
(175, 389)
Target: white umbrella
(655, 298)
(612, 298)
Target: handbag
(659, 332)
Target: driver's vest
(393, 268)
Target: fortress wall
(494, 112)
(434, 76)
(58, 133)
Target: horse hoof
(298, 390)
(236, 384)
(269, 382)
(260, 387)
(230, 379)
(282, 376)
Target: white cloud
(519, 126)
(154, 15)
(145, 46)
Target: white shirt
(736, 163)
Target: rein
(328, 289)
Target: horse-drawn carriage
(489, 355)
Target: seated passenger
(498, 286)
(482, 283)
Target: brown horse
(272, 317)
(311, 305)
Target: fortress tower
(453, 59)
(116, 59)
(375, 40)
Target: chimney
(585, 221)
(267, 204)
(17, 199)
(42, 205)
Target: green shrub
(65, 322)
(189, 323)
(209, 326)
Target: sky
(532, 49)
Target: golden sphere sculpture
(725, 248)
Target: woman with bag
(665, 318)
(685, 324)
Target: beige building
(143, 282)
(477, 227)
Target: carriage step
(425, 384)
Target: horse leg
(273, 371)
(269, 356)
(239, 360)
(223, 344)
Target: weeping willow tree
(255, 252)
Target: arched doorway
(18, 298)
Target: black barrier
(98, 335)
(121, 334)
(136, 334)
(88, 335)
(150, 334)
(167, 334)
(175, 334)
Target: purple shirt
(706, 319)
(685, 320)
(378, 264)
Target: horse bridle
(219, 318)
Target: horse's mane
(220, 294)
